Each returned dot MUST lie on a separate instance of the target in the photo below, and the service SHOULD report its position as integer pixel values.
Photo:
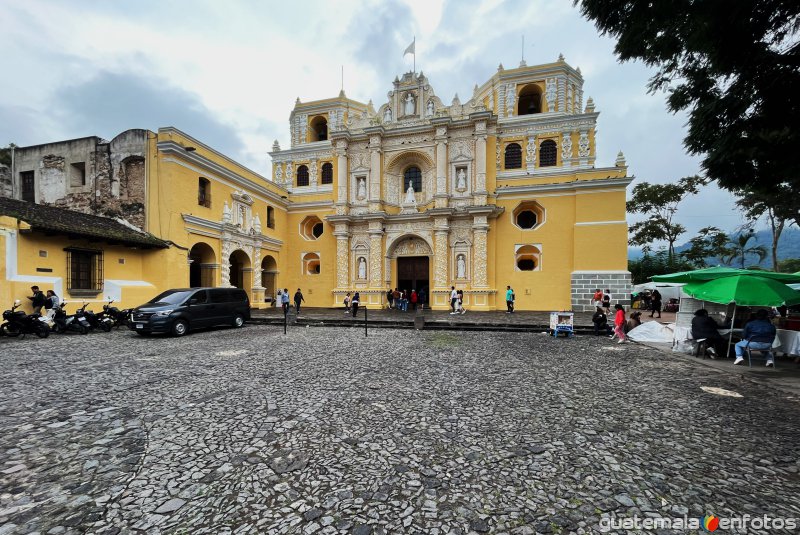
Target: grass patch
(445, 340)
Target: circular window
(526, 219)
(316, 230)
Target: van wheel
(238, 321)
(180, 327)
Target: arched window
(527, 258)
(327, 173)
(530, 100)
(318, 130)
(302, 176)
(548, 153)
(513, 156)
(270, 217)
(203, 192)
(414, 175)
(311, 264)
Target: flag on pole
(410, 49)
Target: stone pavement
(326, 431)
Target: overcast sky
(228, 72)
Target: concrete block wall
(584, 284)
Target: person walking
(396, 295)
(354, 303)
(347, 303)
(461, 308)
(509, 300)
(423, 298)
(414, 299)
(655, 303)
(389, 297)
(597, 298)
(453, 299)
(619, 323)
(285, 301)
(298, 298)
(607, 301)
(38, 300)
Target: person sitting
(633, 321)
(758, 335)
(600, 321)
(704, 327)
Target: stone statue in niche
(387, 115)
(242, 216)
(362, 189)
(410, 199)
(429, 108)
(410, 104)
(362, 268)
(461, 267)
(461, 179)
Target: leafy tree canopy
(733, 65)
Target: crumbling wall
(115, 180)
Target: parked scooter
(95, 321)
(17, 322)
(118, 317)
(62, 322)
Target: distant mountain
(788, 247)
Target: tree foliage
(657, 263)
(659, 204)
(710, 242)
(779, 206)
(5, 154)
(733, 66)
(740, 250)
(789, 265)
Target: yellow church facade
(501, 190)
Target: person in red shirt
(619, 323)
(414, 299)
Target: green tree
(710, 242)
(733, 66)
(659, 204)
(779, 206)
(657, 263)
(740, 249)
(5, 154)
(789, 265)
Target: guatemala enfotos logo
(709, 523)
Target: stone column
(441, 168)
(312, 171)
(375, 253)
(440, 253)
(480, 164)
(480, 228)
(530, 153)
(342, 178)
(342, 255)
(374, 188)
(501, 102)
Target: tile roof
(62, 221)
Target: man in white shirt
(453, 299)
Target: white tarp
(668, 290)
(652, 331)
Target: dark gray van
(178, 311)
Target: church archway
(202, 266)
(269, 274)
(410, 259)
(241, 271)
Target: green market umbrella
(718, 272)
(743, 290)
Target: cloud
(110, 103)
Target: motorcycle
(95, 320)
(62, 322)
(17, 322)
(118, 317)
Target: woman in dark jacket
(655, 304)
(600, 321)
(704, 327)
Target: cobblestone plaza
(325, 431)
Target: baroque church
(499, 191)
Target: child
(619, 323)
(347, 303)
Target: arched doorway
(240, 270)
(202, 266)
(413, 264)
(269, 272)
